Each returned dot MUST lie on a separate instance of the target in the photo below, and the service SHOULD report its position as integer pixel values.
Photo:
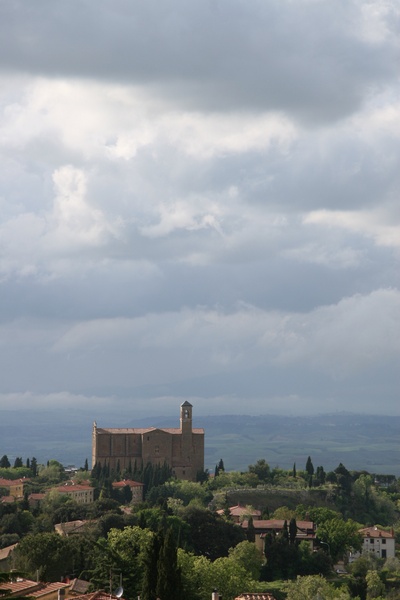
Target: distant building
(181, 449)
(135, 486)
(82, 494)
(241, 513)
(6, 557)
(376, 541)
(35, 499)
(15, 487)
(71, 528)
(305, 530)
(33, 589)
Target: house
(7, 500)
(78, 587)
(377, 541)
(240, 513)
(35, 499)
(99, 595)
(14, 487)
(135, 486)
(82, 494)
(70, 528)
(6, 557)
(305, 530)
(182, 449)
(50, 591)
(33, 589)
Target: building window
(383, 541)
(371, 541)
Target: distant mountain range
(360, 442)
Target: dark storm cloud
(315, 60)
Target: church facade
(182, 449)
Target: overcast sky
(200, 200)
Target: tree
(34, 466)
(210, 534)
(247, 555)
(49, 554)
(18, 462)
(86, 466)
(313, 587)
(127, 550)
(149, 585)
(294, 472)
(340, 535)
(169, 585)
(309, 466)
(4, 462)
(251, 532)
(261, 469)
(292, 530)
(375, 587)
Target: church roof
(142, 430)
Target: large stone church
(182, 449)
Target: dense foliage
(175, 544)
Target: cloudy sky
(200, 200)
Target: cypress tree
(292, 530)
(251, 532)
(149, 589)
(309, 466)
(169, 584)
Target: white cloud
(377, 224)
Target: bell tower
(186, 418)
(186, 436)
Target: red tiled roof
(18, 586)
(140, 431)
(239, 510)
(255, 596)
(99, 595)
(125, 482)
(74, 488)
(5, 552)
(278, 524)
(69, 527)
(32, 588)
(49, 588)
(8, 482)
(7, 499)
(36, 496)
(375, 532)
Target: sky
(200, 201)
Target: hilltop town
(147, 517)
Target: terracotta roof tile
(255, 596)
(5, 552)
(125, 482)
(49, 588)
(375, 532)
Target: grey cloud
(305, 58)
